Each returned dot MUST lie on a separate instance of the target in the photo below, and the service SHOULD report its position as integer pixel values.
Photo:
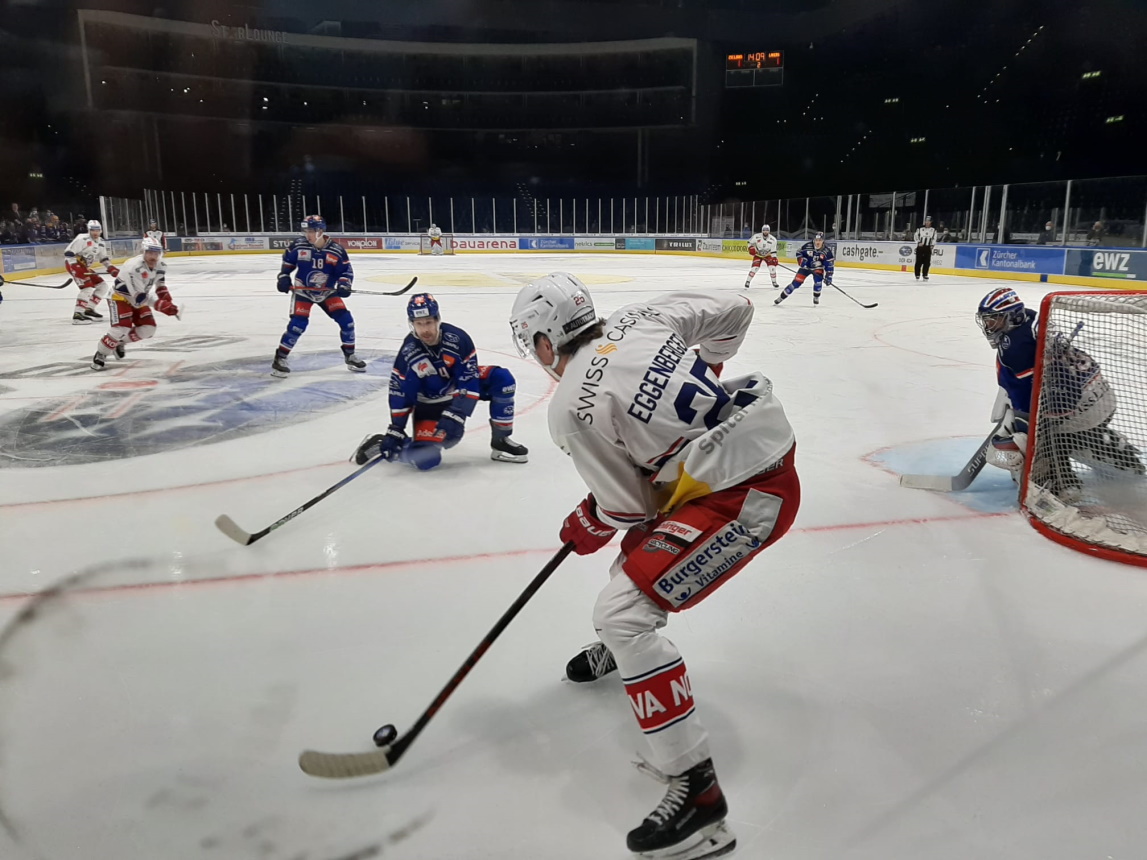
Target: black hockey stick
(42, 286)
(958, 482)
(407, 288)
(839, 290)
(347, 765)
(230, 528)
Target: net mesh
(1087, 472)
(447, 246)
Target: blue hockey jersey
(318, 270)
(445, 373)
(1015, 362)
(809, 257)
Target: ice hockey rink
(905, 675)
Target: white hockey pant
(655, 678)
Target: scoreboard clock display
(755, 69)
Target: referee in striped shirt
(925, 239)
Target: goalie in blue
(814, 258)
(437, 380)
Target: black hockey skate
(119, 351)
(81, 318)
(690, 820)
(353, 362)
(592, 662)
(815, 299)
(279, 367)
(780, 298)
(93, 314)
(506, 450)
(98, 361)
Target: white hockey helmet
(150, 244)
(95, 225)
(557, 305)
(765, 228)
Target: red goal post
(1085, 475)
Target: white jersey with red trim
(645, 419)
(138, 283)
(764, 246)
(434, 232)
(157, 235)
(91, 252)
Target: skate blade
(503, 457)
(278, 374)
(717, 840)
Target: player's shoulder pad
(299, 242)
(411, 347)
(455, 337)
(335, 248)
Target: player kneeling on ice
(322, 276)
(1077, 404)
(437, 377)
(763, 249)
(139, 287)
(698, 472)
(814, 258)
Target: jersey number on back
(687, 405)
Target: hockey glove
(283, 285)
(342, 288)
(112, 270)
(388, 446)
(166, 306)
(450, 427)
(584, 530)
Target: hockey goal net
(1085, 476)
(446, 247)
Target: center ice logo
(177, 407)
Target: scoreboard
(755, 69)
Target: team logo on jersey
(606, 349)
(166, 401)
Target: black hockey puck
(385, 736)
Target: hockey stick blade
(351, 765)
(959, 482)
(846, 295)
(405, 289)
(230, 528)
(41, 286)
(344, 765)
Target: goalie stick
(41, 286)
(960, 481)
(413, 281)
(348, 765)
(230, 528)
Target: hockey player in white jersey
(153, 232)
(140, 286)
(86, 252)
(435, 236)
(763, 249)
(699, 474)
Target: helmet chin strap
(552, 369)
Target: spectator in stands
(1047, 235)
(943, 234)
(1096, 234)
(909, 235)
(7, 233)
(15, 214)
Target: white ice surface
(902, 676)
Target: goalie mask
(1000, 312)
(558, 306)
